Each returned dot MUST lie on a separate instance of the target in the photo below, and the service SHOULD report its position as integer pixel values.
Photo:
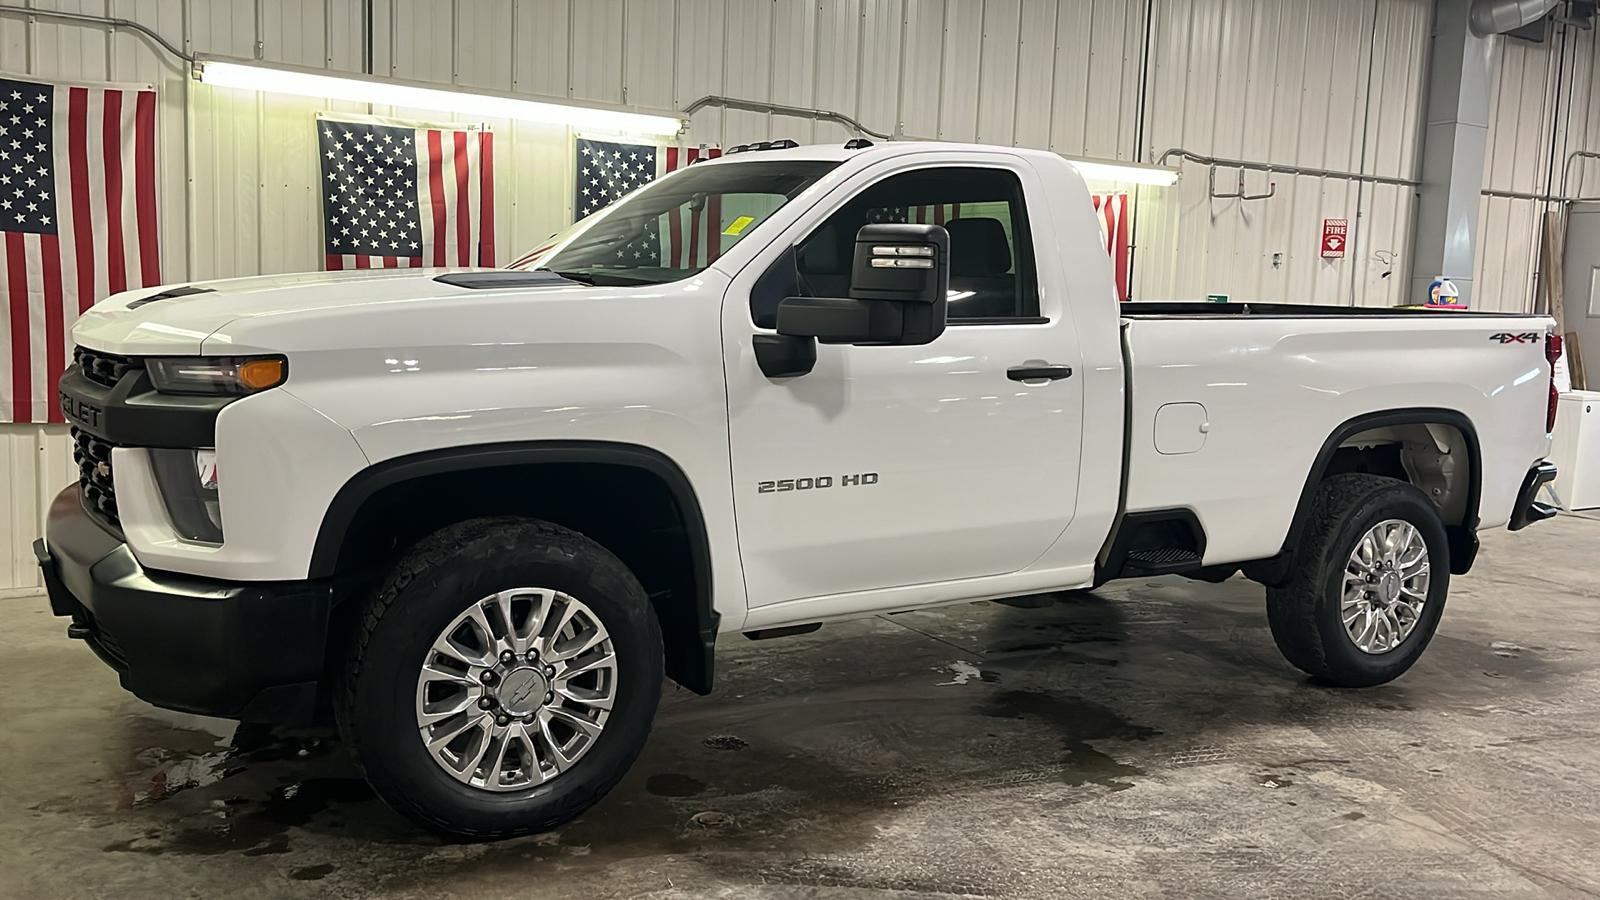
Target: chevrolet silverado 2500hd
(479, 513)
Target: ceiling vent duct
(1500, 16)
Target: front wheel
(1369, 582)
(503, 678)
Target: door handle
(1038, 372)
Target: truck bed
(1231, 404)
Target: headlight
(188, 481)
(226, 375)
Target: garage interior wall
(1335, 85)
(1545, 105)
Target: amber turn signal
(260, 374)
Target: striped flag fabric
(403, 195)
(608, 170)
(1112, 210)
(78, 209)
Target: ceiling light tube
(390, 92)
(1128, 173)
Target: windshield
(677, 226)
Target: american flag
(395, 195)
(1112, 210)
(78, 208)
(608, 170)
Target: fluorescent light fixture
(1128, 173)
(399, 93)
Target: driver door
(891, 466)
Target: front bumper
(1528, 509)
(252, 651)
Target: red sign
(1334, 237)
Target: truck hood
(177, 319)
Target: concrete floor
(1145, 740)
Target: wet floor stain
(252, 827)
(671, 784)
(1078, 722)
(313, 873)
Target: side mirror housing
(898, 284)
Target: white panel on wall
(540, 43)
(748, 74)
(702, 45)
(484, 48)
(596, 54)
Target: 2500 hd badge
(818, 482)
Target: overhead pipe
(798, 112)
(1286, 170)
(105, 21)
(1500, 16)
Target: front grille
(103, 368)
(93, 457)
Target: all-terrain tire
(436, 581)
(1305, 612)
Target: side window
(991, 254)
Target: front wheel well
(635, 504)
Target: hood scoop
(171, 294)
(500, 279)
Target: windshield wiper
(580, 277)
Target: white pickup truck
(478, 514)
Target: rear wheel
(1369, 582)
(503, 679)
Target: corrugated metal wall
(1545, 104)
(1333, 84)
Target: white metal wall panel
(651, 54)
(921, 78)
(997, 71)
(878, 85)
(962, 64)
(1545, 105)
(540, 42)
(483, 54)
(748, 74)
(596, 53)
(1294, 84)
(702, 53)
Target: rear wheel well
(1435, 450)
(631, 510)
(1434, 457)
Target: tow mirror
(898, 285)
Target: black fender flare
(347, 502)
(1463, 538)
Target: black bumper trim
(246, 650)
(1528, 509)
(133, 414)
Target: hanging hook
(1239, 191)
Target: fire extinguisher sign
(1334, 232)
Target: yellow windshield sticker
(739, 225)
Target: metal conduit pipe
(1500, 16)
(106, 21)
(1563, 197)
(1286, 170)
(778, 108)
